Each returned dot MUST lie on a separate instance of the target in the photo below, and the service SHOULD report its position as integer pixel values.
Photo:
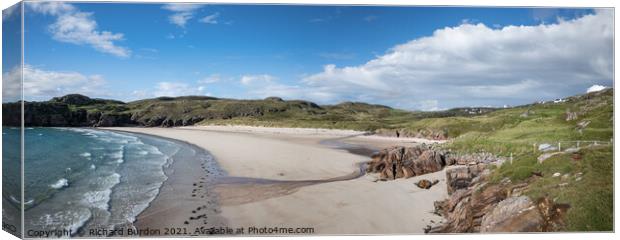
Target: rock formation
(514, 214)
(406, 162)
(408, 133)
(475, 205)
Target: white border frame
(474, 3)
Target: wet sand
(186, 199)
(297, 179)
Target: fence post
(510, 158)
(577, 144)
(559, 146)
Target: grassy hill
(78, 110)
(586, 173)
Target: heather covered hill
(79, 110)
(589, 114)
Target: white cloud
(11, 84)
(473, 64)
(74, 26)
(210, 19)
(181, 7)
(11, 11)
(51, 8)
(429, 105)
(42, 84)
(180, 18)
(213, 78)
(175, 89)
(182, 13)
(595, 88)
(261, 79)
(265, 85)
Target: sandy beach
(280, 177)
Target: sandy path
(359, 206)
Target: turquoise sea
(79, 178)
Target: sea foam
(60, 183)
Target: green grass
(505, 131)
(591, 199)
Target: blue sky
(327, 54)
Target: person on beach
(394, 170)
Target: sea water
(79, 178)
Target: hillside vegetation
(578, 172)
(78, 110)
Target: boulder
(515, 214)
(460, 177)
(546, 156)
(553, 213)
(570, 116)
(545, 147)
(426, 184)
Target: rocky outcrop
(476, 205)
(42, 114)
(408, 133)
(114, 119)
(460, 177)
(466, 206)
(58, 114)
(570, 116)
(406, 162)
(514, 214)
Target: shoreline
(174, 194)
(310, 131)
(307, 183)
